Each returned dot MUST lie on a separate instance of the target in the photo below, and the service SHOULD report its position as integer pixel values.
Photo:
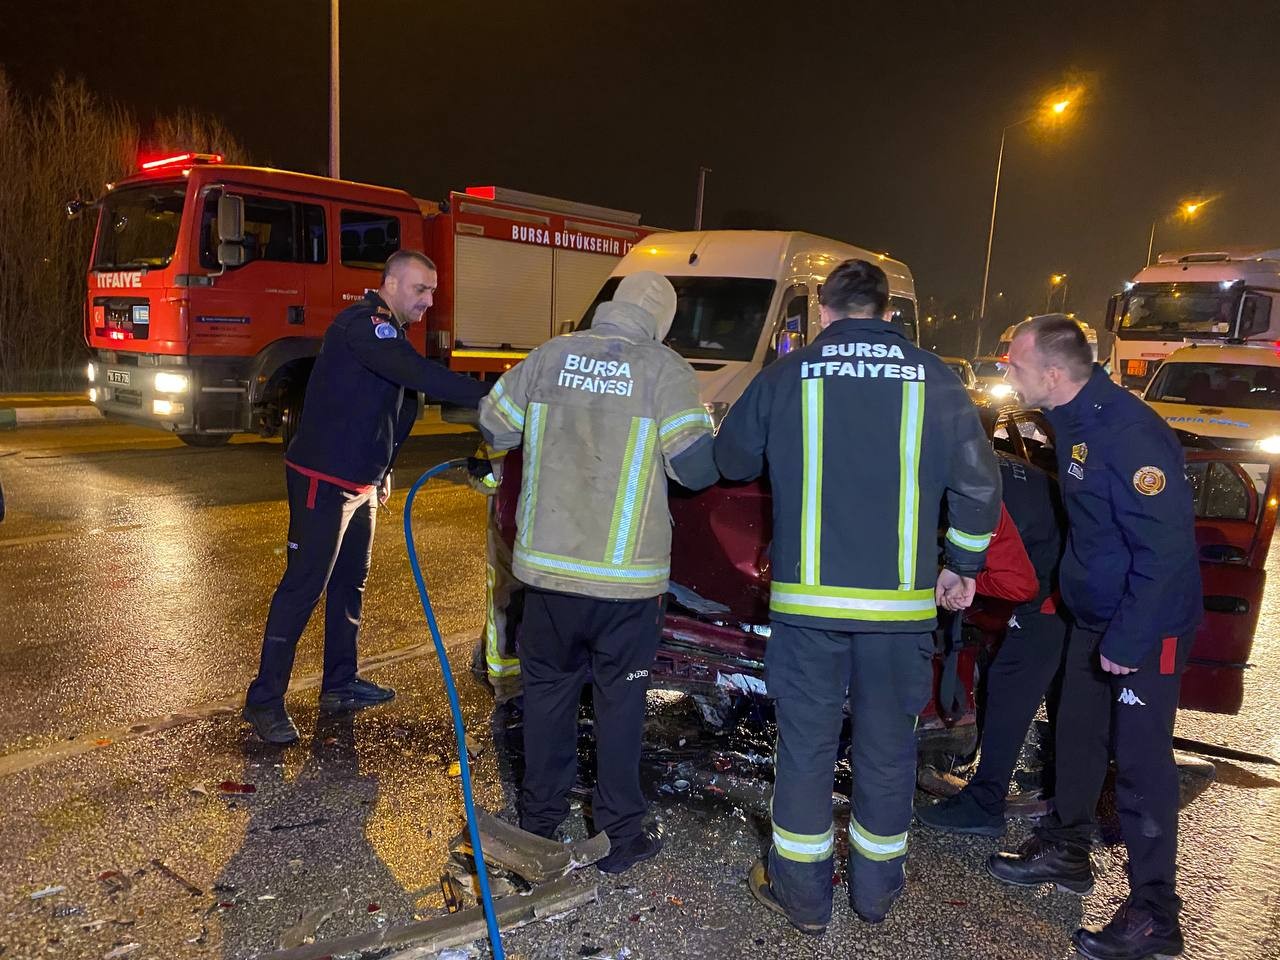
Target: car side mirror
(1113, 310)
(231, 231)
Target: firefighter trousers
(330, 545)
(887, 678)
(1020, 676)
(1131, 718)
(504, 605)
(566, 641)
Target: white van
(744, 296)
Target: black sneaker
(272, 724)
(646, 844)
(758, 884)
(961, 814)
(354, 695)
(1133, 934)
(1042, 861)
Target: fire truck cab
(211, 285)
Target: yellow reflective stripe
(533, 453)
(910, 433)
(803, 847)
(873, 846)
(506, 407)
(851, 603)
(584, 569)
(977, 542)
(811, 482)
(633, 491)
(682, 420)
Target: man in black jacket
(361, 403)
(865, 435)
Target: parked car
(989, 373)
(962, 369)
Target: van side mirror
(789, 340)
(1113, 310)
(231, 231)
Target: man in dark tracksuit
(360, 406)
(864, 434)
(1130, 580)
(1024, 668)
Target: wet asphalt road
(134, 579)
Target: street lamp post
(1056, 280)
(1053, 109)
(335, 104)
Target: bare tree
(69, 143)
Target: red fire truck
(211, 285)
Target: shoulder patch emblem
(1079, 452)
(1148, 481)
(385, 331)
(1076, 471)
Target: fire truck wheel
(204, 439)
(291, 397)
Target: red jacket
(1008, 580)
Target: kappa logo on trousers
(1129, 698)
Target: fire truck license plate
(118, 376)
(1137, 368)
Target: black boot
(647, 843)
(961, 814)
(271, 723)
(1044, 861)
(1132, 934)
(355, 694)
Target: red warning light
(182, 159)
(483, 193)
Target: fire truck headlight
(1270, 444)
(90, 373)
(93, 394)
(172, 382)
(166, 408)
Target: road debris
(532, 858)
(48, 892)
(122, 951)
(177, 878)
(310, 922)
(231, 786)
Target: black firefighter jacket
(865, 434)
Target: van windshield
(138, 228)
(717, 318)
(1243, 386)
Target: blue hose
(459, 731)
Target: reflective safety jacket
(1131, 569)
(864, 433)
(600, 413)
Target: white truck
(1006, 338)
(1208, 296)
(746, 296)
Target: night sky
(875, 125)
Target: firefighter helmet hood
(652, 293)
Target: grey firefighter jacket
(600, 413)
(864, 434)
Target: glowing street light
(1187, 210)
(1056, 280)
(1052, 110)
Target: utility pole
(702, 187)
(335, 100)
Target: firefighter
(360, 404)
(601, 413)
(1026, 664)
(1130, 580)
(494, 661)
(865, 434)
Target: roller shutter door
(502, 293)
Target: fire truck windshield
(138, 227)
(1170, 311)
(717, 318)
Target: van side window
(368, 238)
(793, 321)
